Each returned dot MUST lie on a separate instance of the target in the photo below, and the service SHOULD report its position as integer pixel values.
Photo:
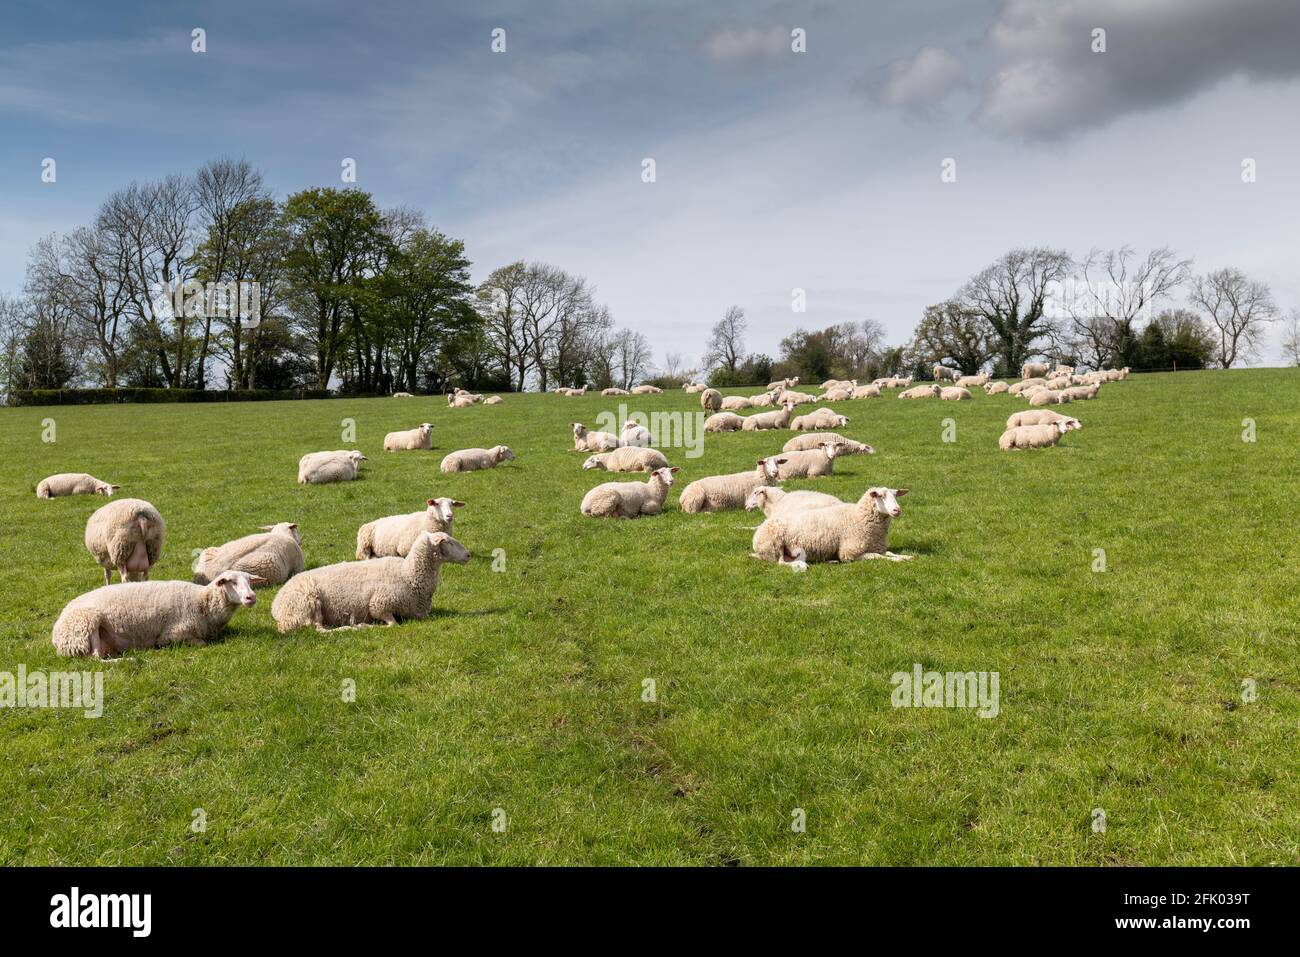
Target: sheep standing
(629, 499)
(319, 468)
(846, 532)
(1032, 370)
(944, 374)
(420, 437)
(813, 440)
(393, 535)
(126, 535)
(822, 418)
(73, 483)
(711, 400)
(471, 460)
(771, 499)
(585, 440)
(631, 458)
(1034, 436)
(273, 556)
(718, 492)
(770, 420)
(113, 619)
(635, 435)
(724, 422)
(350, 594)
(811, 463)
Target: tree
(633, 358)
(1115, 290)
(1291, 338)
(951, 335)
(1240, 309)
(1011, 296)
(726, 346)
(499, 303)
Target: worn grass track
(1120, 690)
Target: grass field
(1120, 690)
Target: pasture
(1120, 689)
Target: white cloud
(749, 43)
(919, 81)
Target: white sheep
(1082, 393)
(771, 499)
(1058, 382)
(403, 395)
(420, 437)
(1047, 397)
(636, 435)
(837, 394)
(921, 392)
(492, 400)
(1034, 436)
(718, 492)
(470, 460)
(1031, 370)
(614, 392)
(1040, 417)
(352, 594)
(781, 384)
(127, 536)
(460, 398)
(629, 499)
(692, 387)
(724, 422)
(846, 532)
(822, 418)
(811, 463)
(585, 440)
(1025, 385)
(116, 618)
(871, 391)
(972, 381)
(995, 388)
(796, 398)
(319, 468)
(814, 440)
(943, 374)
(732, 403)
(764, 400)
(711, 400)
(73, 483)
(393, 535)
(647, 390)
(1062, 369)
(273, 555)
(954, 393)
(770, 420)
(631, 458)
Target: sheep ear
(456, 504)
(224, 578)
(293, 524)
(899, 492)
(675, 469)
(257, 580)
(266, 528)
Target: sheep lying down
(832, 533)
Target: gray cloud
(919, 81)
(748, 43)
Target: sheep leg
(108, 577)
(898, 558)
(104, 643)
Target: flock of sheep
(399, 557)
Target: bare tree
(1291, 338)
(1011, 296)
(952, 335)
(1239, 307)
(500, 302)
(633, 358)
(1115, 290)
(726, 346)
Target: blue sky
(775, 170)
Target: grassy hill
(1119, 689)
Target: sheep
(995, 388)
(921, 392)
(126, 535)
(588, 441)
(812, 463)
(629, 499)
(820, 419)
(972, 381)
(954, 393)
(1062, 369)
(273, 555)
(318, 468)
(847, 532)
(732, 403)
(770, 420)
(944, 374)
(403, 395)
(420, 437)
(460, 398)
(1082, 393)
(692, 387)
(493, 400)
(1040, 417)
(573, 393)
(635, 435)
(718, 492)
(764, 400)
(647, 390)
(837, 394)
(393, 535)
(771, 499)
(630, 458)
(866, 391)
(893, 382)
(73, 483)
(352, 594)
(1034, 436)
(1016, 388)
(783, 384)
(1048, 397)
(116, 618)
(612, 391)
(1058, 382)
(813, 440)
(710, 400)
(1032, 370)
(724, 422)
(798, 398)
(470, 460)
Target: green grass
(1119, 690)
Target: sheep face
(103, 488)
(448, 548)
(772, 466)
(426, 429)
(357, 458)
(237, 587)
(290, 527)
(1072, 424)
(885, 500)
(757, 499)
(665, 475)
(595, 462)
(579, 430)
(442, 508)
(505, 453)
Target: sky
(775, 169)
